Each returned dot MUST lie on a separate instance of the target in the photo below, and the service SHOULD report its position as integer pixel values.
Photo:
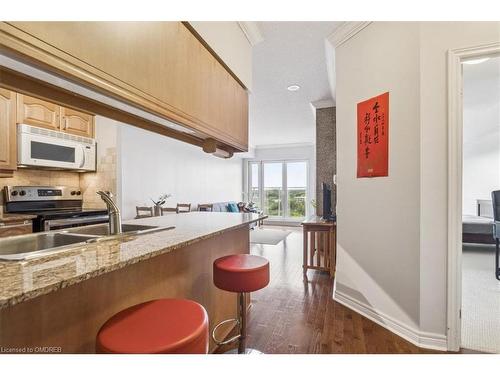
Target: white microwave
(38, 147)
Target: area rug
(480, 300)
(268, 236)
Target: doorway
(473, 123)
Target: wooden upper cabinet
(8, 142)
(160, 67)
(76, 122)
(38, 112)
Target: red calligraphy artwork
(373, 137)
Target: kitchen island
(60, 300)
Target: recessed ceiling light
(476, 61)
(293, 88)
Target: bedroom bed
(479, 228)
(485, 227)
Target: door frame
(455, 154)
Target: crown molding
(251, 31)
(345, 32)
(284, 145)
(250, 154)
(339, 36)
(323, 103)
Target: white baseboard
(425, 340)
(271, 222)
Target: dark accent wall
(326, 154)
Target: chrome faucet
(115, 219)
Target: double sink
(37, 244)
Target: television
(327, 202)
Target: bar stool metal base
(241, 323)
(247, 351)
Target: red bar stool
(170, 326)
(240, 273)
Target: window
(279, 188)
(273, 189)
(296, 175)
(254, 178)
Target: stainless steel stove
(55, 207)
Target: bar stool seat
(174, 326)
(241, 273)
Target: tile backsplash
(89, 182)
(103, 179)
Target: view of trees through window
(273, 186)
(297, 202)
(284, 188)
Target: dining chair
(206, 207)
(165, 210)
(142, 212)
(183, 207)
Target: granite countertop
(27, 279)
(6, 218)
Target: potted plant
(160, 202)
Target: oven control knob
(22, 193)
(73, 192)
(14, 193)
(78, 192)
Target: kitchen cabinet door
(77, 123)
(38, 112)
(160, 67)
(8, 142)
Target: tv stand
(319, 245)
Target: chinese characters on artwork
(373, 124)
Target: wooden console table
(319, 245)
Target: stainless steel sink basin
(23, 247)
(33, 245)
(103, 229)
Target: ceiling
(291, 53)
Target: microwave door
(43, 152)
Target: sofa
(222, 206)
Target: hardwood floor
(290, 316)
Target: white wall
(481, 134)
(288, 152)
(378, 218)
(229, 42)
(437, 38)
(397, 267)
(151, 165)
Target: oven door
(73, 222)
(46, 151)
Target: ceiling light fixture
(476, 61)
(293, 88)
